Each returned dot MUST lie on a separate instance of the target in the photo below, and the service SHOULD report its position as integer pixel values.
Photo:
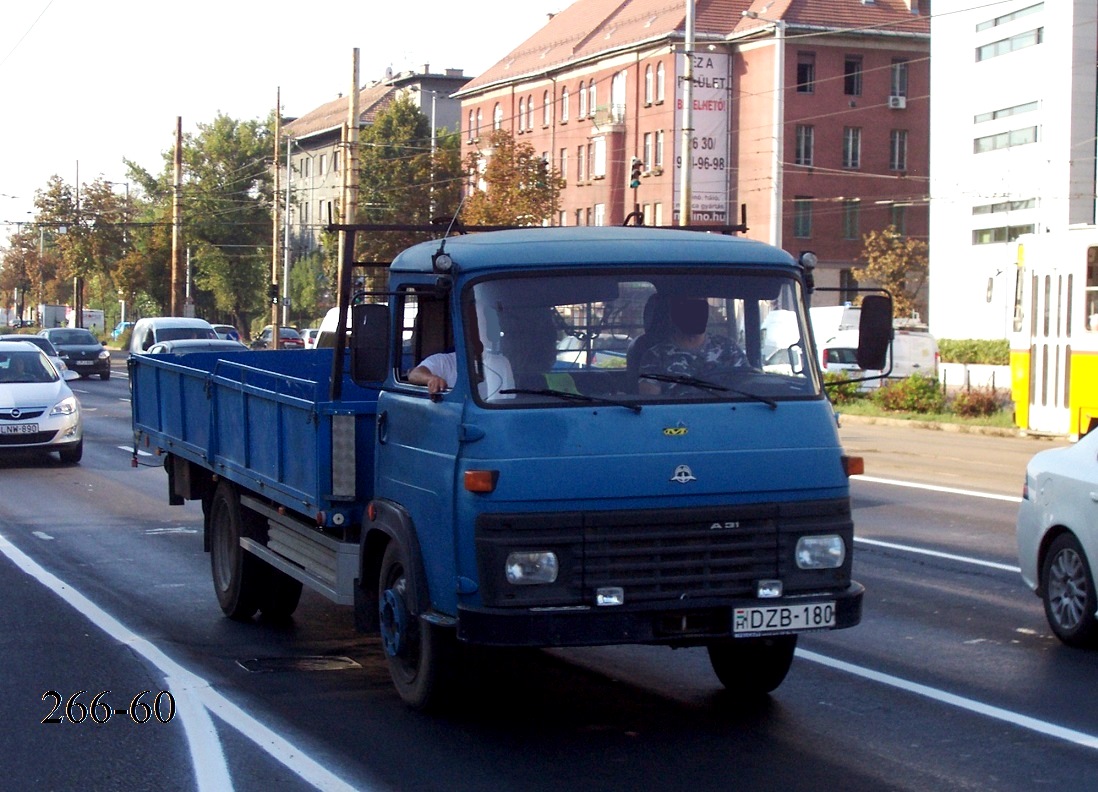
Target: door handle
(382, 427)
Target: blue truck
(582, 480)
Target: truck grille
(689, 558)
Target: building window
(649, 85)
(898, 78)
(480, 120)
(1005, 206)
(323, 164)
(852, 147)
(497, 116)
(592, 99)
(1015, 137)
(470, 125)
(1005, 46)
(661, 83)
(898, 218)
(546, 110)
(562, 218)
(564, 105)
(600, 214)
(991, 236)
(581, 164)
(806, 72)
(848, 285)
(851, 218)
(1006, 112)
(897, 150)
(648, 151)
(659, 149)
(1002, 20)
(521, 114)
(802, 217)
(598, 161)
(530, 112)
(579, 217)
(335, 161)
(852, 75)
(563, 165)
(802, 152)
(582, 101)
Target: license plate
(18, 429)
(783, 618)
(85, 362)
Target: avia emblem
(675, 431)
(683, 474)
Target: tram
(1054, 339)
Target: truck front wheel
(420, 655)
(752, 666)
(237, 575)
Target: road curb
(935, 426)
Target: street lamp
(779, 123)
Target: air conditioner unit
(897, 102)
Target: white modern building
(1012, 146)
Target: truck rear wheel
(237, 575)
(420, 655)
(752, 666)
(280, 595)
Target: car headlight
(67, 406)
(531, 568)
(104, 355)
(820, 552)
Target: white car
(37, 408)
(1058, 537)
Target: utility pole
(686, 198)
(275, 334)
(177, 250)
(349, 208)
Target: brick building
(841, 86)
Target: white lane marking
(129, 450)
(935, 488)
(953, 700)
(207, 756)
(938, 554)
(42, 535)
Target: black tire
(70, 455)
(106, 375)
(280, 594)
(237, 575)
(1068, 592)
(753, 667)
(420, 655)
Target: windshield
(683, 335)
(179, 333)
(73, 337)
(24, 367)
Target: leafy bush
(977, 402)
(840, 389)
(916, 394)
(993, 352)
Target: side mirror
(369, 343)
(875, 331)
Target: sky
(85, 84)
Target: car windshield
(23, 367)
(74, 337)
(668, 335)
(176, 333)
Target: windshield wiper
(569, 396)
(684, 379)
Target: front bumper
(678, 624)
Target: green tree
(897, 263)
(515, 186)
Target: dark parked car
(288, 338)
(81, 351)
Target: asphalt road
(952, 681)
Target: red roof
(371, 101)
(590, 28)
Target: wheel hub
(394, 623)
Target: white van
(914, 351)
(155, 329)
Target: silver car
(37, 408)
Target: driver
(689, 351)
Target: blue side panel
(260, 419)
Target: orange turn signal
(853, 465)
(481, 480)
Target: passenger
(689, 351)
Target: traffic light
(635, 175)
